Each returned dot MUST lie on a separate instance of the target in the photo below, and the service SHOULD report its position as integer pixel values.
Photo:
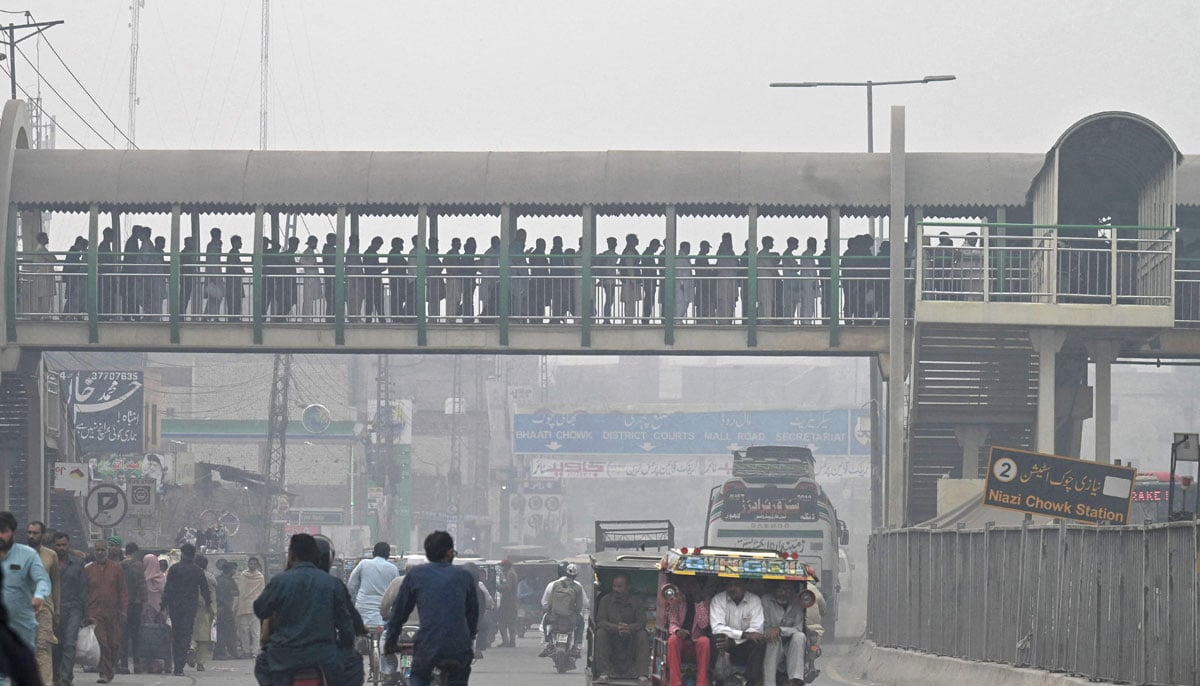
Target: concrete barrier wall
(897, 667)
(1116, 603)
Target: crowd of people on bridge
(462, 284)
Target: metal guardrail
(449, 289)
(1046, 264)
(1112, 603)
(1012, 263)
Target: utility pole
(263, 74)
(277, 423)
(385, 441)
(134, 24)
(454, 477)
(12, 42)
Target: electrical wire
(64, 100)
(85, 90)
(60, 126)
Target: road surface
(500, 667)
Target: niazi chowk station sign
(1062, 487)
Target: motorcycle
(405, 645)
(562, 638)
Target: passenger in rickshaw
(622, 645)
(688, 629)
(736, 615)
(786, 640)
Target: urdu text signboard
(105, 410)
(1054, 486)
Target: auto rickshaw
(532, 578)
(642, 570)
(708, 570)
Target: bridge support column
(896, 513)
(1047, 343)
(1103, 353)
(35, 465)
(971, 438)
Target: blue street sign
(825, 432)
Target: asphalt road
(499, 667)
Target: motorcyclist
(369, 581)
(310, 620)
(446, 597)
(568, 604)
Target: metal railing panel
(1114, 603)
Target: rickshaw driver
(784, 621)
(737, 625)
(622, 645)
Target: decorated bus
(773, 502)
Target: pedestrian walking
(47, 615)
(154, 620)
(73, 605)
(250, 585)
(108, 604)
(186, 585)
(310, 284)
(202, 628)
(135, 586)
(507, 615)
(227, 594)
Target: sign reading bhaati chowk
(105, 410)
(825, 432)
(1062, 487)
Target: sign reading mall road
(1062, 487)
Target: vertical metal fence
(1112, 603)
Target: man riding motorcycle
(447, 600)
(564, 599)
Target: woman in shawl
(152, 614)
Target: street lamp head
(802, 84)
(939, 77)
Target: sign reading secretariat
(830, 432)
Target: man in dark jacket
(135, 587)
(310, 620)
(227, 593)
(186, 584)
(445, 598)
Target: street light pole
(876, 380)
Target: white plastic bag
(87, 648)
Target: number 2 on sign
(1005, 469)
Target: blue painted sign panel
(825, 432)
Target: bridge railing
(711, 290)
(1110, 603)
(450, 289)
(1187, 292)
(1035, 263)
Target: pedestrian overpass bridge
(1005, 274)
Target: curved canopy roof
(615, 182)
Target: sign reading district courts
(828, 432)
(1062, 487)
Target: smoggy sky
(552, 75)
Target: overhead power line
(56, 123)
(87, 92)
(64, 100)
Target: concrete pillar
(971, 438)
(1103, 353)
(897, 456)
(31, 372)
(1047, 343)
